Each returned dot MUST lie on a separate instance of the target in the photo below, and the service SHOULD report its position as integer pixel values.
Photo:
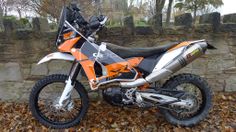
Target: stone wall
(21, 50)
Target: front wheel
(45, 96)
(198, 91)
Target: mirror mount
(103, 47)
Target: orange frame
(113, 70)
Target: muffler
(195, 50)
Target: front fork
(70, 83)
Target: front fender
(57, 56)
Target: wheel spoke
(49, 97)
(193, 93)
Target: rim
(47, 99)
(195, 95)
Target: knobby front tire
(37, 113)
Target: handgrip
(94, 25)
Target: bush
(22, 23)
(12, 18)
(53, 26)
(113, 24)
(9, 22)
(141, 23)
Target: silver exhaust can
(194, 51)
(191, 54)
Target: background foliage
(145, 12)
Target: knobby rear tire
(206, 93)
(51, 79)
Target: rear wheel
(45, 96)
(197, 91)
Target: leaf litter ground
(104, 117)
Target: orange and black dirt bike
(126, 76)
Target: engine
(118, 96)
(145, 99)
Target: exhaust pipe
(197, 49)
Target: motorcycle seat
(128, 52)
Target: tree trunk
(195, 13)
(5, 11)
(1, 19)
(194, 16)
(19, 13)
(169, 11)
(158, 16)
(128, 6)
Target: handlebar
(98, 22)
(94, 24)
(104, 21)
(74, 7)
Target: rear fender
(57, 56)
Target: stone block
(209, 18)
(23, 34)
(184, 20)
(40, 24)
(26, 72)
(129, 24)
(232, 41)
(10, 72)
(9, 26)
(228, 56)
(216, 84)
(216, 76)
(39, 69)
(215, 66)
(25, 91)
(113, 31)
(144, 31)
(230, 18)
(221, 45)
(233, 50)
(212, 18)
(15, 91)
(228, 64)
(187, 69)
(200, 63)
(59, 67)
(28, 85)
(231, 70)
(10, 91)
(203, 28)
(198, 71)
(129, 21)
(171, 30)
(228, 27)
(230, 84)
